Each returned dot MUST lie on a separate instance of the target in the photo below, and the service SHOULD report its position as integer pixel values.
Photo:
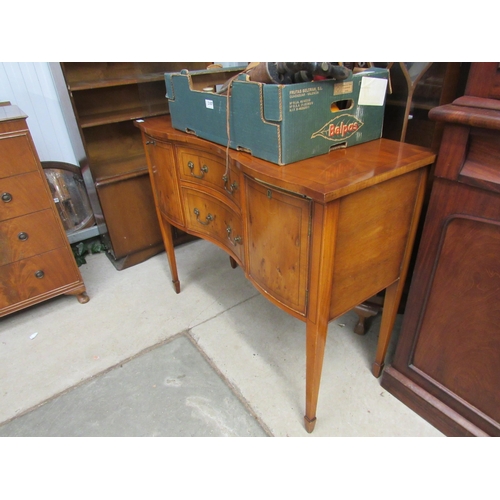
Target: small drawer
(208, 170)
(29, 278)
(209, 216)
(16, 156)
(29, 235)
(22, 194)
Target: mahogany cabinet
(36, 261)
(316, 237)
(106, 98)
(447, 361)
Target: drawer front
(37, 275)
(211, 217)
(29, 235)
(22, 194)
(16, 156)
(207, 170)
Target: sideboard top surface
(323, 178)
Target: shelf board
(124, 115)
(114, 82)
(119, 169)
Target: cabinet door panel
(130, 211)
(459, 340)
(164, 179)
(278, 243)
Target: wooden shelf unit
(107, 97)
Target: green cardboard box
(282, 123)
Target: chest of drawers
(36, 261)
(316, 237)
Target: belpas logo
(339, 129)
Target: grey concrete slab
(170, 390)
(128, 311)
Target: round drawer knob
(40, 274)
(23, 236)
(6, 197)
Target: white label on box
(343, 88)
(209, 103)
(372, 91)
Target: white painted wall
(30, 86)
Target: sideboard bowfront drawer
(206, 170)
(16, 156)
(29, 235)
(209, 216)
(22, 194)
(29, 278)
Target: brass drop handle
(203, 169)
(232, 188)
(209, 218)
(39, 274)
(236, 239)
(6, 197)
(22, 236)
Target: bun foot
(83, 298)
(309, 424)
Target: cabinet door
(164, 180)
(278, 228)
(450, 341)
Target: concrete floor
(215, 360)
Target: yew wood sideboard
(316, 237)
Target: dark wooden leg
(364, 311)
(233, 263)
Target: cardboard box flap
(273, 103)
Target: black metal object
(297, 72)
